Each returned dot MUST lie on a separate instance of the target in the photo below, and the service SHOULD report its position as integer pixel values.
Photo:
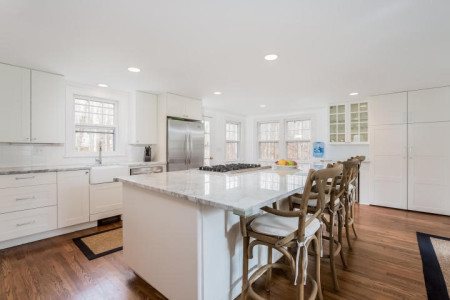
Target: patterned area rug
(435, 253)
(101, 243)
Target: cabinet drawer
(22, 223)
(105, 197)
(16, 199)
(18, 180)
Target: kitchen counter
(242, 193)
(62, 168)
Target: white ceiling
(326, 49)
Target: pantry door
(429, 167)
(388, 165)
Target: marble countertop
(241, 193)
(62, 168)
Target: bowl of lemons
(285, 164)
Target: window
(95, 122)
(298, 140)
(268, 139)
(232, 139)
(207, 143)
(359, 122)
(337, 124)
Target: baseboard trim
(45, 235)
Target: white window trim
(282, 151)
(239, 154)
(120, 99)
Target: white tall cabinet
(144, 119)
(410, 150)
(32, 106)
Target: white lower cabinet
(105, 200)
(388, 166)
(27, 222)
(73, 198)
(428, 167)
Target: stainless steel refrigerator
(185, 144)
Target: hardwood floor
(385, 264)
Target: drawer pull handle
(26, 223)
(21, 178)
(25, 198)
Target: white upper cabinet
(14, 104)
(183, 107)
(32, 106)
(431, 105)
(48, 93)
(144, 119)
(388, 109)
(349, 123)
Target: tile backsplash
(21, 155)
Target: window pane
(268, 151)
(341, 109)
(232, 132)
(89, 141)
(298, 150)
(207, 144)
(231, 151)
(333, 109)
(269, 131)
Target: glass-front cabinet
(349, 123)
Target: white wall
(319, 133)
(19, 155)
(218, 119)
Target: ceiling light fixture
(217, 93)
(354, 94)
(271, 57)
(134, 70)
(262, 106)
(102, 85)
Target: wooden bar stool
(283, 229)
(333, 211)
(348, 182)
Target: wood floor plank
(384, 264)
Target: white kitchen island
(181, 229)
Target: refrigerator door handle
(185, 149)
(190, 148)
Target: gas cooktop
(229, 167)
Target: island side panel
(222, 254)
(162, 241)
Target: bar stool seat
(280, 226)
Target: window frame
(121, 99)
(207, 160)
(282, 142)
(238, 141)
(113, 127)
(287, 140)
(259, 141)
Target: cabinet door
(388, 165)
(428, 166)
(14, 104)
(194, 110)
(106, 197)
(146, 119)
(432, 105)
(176, 106)
(47, 107)
(388, 109)
(73, 198)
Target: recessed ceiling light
(354, 94)
(271, 57)
(262, 106)
(102, 85)
(133, 69)
(217, 93)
